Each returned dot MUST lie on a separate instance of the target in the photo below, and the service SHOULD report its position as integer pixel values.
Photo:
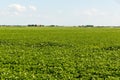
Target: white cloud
(94, 12)
(16, 13)
(17, 7)
(20, 10)
(59, 11)
(32, 8)
(2, 13)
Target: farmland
(59, 53)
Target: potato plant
(59, 53)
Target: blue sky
(60, 12)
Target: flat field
(59, 53)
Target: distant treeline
(36, 25)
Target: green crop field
(59, 53)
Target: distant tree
(32, 25)
(89, 26)
(40, 25)
(80, 26)
(52, 25)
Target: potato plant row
(59, 53)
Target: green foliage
(59, 53)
